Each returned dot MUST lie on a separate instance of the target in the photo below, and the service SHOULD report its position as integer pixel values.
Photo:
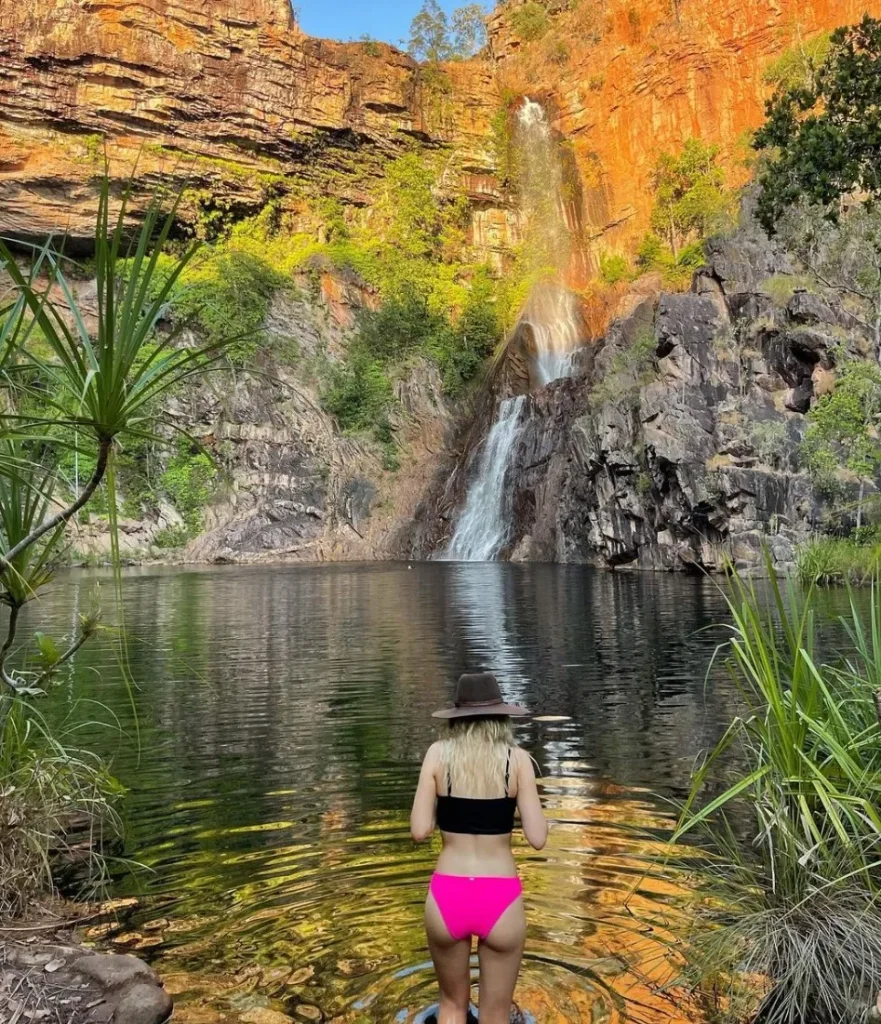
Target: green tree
(430, 34)
(469, 30)
(842, 428)
(822, 179)
(691, 199)
(823, 138)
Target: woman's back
(469, 787)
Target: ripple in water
(283, 713)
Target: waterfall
(551, 311)
(483, 526)
(552, 315)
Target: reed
(788, 922)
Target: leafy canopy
(842, 430)
(433, 38)
(824, 137)
(690, 194)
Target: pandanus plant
(82, 377)
(788, 806)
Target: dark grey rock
(142, 1003)
(112, 970)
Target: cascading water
(552, 310)
(552, 314)
(483, 525)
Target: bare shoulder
(523, 762)
(433, 755)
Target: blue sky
(388, 20)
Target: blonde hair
(474, 753)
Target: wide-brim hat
(478, 693)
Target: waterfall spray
(483, 526)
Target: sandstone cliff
(227, 95)
(627, 81)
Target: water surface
(282, 714)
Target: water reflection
(282, 716)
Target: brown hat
(478, 693)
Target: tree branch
(7, 644)
(68, 654)
(66, 514)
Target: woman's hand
(532, 818)
(422, 818)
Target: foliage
(469, 30)
(631, 368)
(87, 381)
(228, 295)
(530, 21)
(614, 267)
(796, 67)
(188, 481)
(842, 426)
(780, 288)
(822, 137)
(843, 256)
(787, 807)
(434, 39)
(358, 392)
(770, 438)
(827, 561)
(677, 271)
(48, 790)
(691, 200)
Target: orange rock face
(231, 97)
(227, 94)
(630, 79)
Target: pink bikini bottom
(471, 906)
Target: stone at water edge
(113, 970)
(142, 1003)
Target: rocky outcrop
(227, 95)
(232, 98)
(290, 484)
(675, 444)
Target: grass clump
(631, 369)
(50, 794)
(780, 288)
(787, 807)
(829, 561)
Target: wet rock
(113, 970)
(142, 1003)
(679, 454)
(305, 1011)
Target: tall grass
(788, 806)
(49, 792)
(837, 560)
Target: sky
(388, 20)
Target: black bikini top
(474, 816)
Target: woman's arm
(422, 814)
(532, 818)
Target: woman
(469, 786)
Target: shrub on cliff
(821, 178)
(824, 137)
